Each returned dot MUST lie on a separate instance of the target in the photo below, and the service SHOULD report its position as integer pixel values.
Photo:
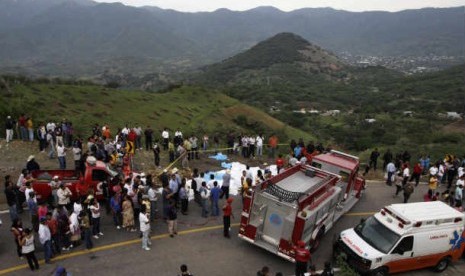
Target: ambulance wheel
(382, 271)
(442, 264)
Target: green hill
(193, 109)
(278, 58)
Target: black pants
(165, 143)
(95, 226)
(148, 142)
(225, 192)
(373, 164)
(184, 205)
(406, 197)
(398, 189)
(32, 260)
(300, 268)
(226, 225)
(415, 176)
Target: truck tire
(442, 264)
(381, 271)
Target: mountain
(84, 38)
(282, 57)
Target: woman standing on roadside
(128, 214)
(28, 248)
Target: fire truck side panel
(322, 215)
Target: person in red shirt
(227, 213)
(272, 144)
(302, 256)
(417, 170)
(279, 162)
(53, 226)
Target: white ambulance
(403, 237)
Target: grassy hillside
(193, 109)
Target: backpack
(408, 189)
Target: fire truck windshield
(377, 235)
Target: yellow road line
(359, 214)
(113, 245)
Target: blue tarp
(219, 156)
(226, 165)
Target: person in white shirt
(259, 140)
(433, 170)
(95, 217)
(152, 194)
(61, 153)
(144, 228)
(405, 173)
(166, 137)
(28, 191)
(441, 177)
(45, 238)
(77, 207)
(64, 195)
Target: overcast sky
(288, 5)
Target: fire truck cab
(302, 203)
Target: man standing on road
(302, 256)
(227, 214)
(390, 169)
(10, 194)
(45, 238)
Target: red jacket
(132, 136)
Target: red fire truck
(302, 203)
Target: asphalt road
(200, 245)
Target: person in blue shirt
(297, 151)
(215, 196)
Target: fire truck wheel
(442, 264)
(382, 271)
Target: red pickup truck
(95, 174)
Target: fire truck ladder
(282, 194)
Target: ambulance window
(99, 175)
(405, 245)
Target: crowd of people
(446, 175)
